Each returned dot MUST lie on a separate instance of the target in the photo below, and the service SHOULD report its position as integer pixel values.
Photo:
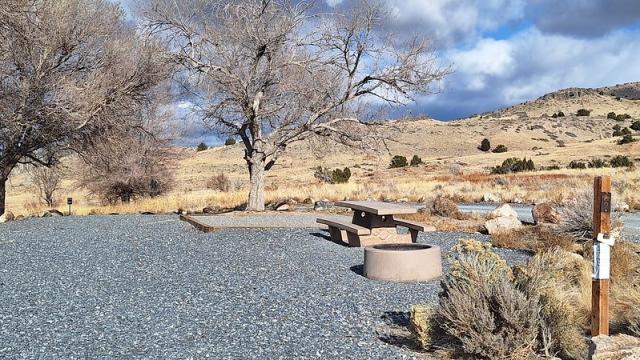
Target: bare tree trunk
(256, 193)
(3, 193)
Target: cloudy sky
(507, 51)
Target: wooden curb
(197, 224)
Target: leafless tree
(47, 181)
(70, 72)
(134, 163)
(274, 72)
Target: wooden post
(600, 284)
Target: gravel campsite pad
(154, 287)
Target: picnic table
(374, 223)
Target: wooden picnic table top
(378, 207)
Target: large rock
(503, 211)
(283, 207)
(55, 212)
(50, 213)
(545, 213)
(491, 198)
(501, 224)
(323, 205)
(618, 347)
(6, 217)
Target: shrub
(500, 149)
(558, 114)
(554, 115)
(445, 207)
(337, 176)
(456, 169)
(201, 147)
(513, 165)
(611, 115)
(415, 160)
(597, 163)
(583, 112)
(623, 117)
(230, 141)
(636, 125)
(340, 176)
(485, 145)
(219, 182)
(422, 325)
(617, 130)
(626, 139)
(575, 164)
(621, 161)
(561, 281)
(398, 161)
(483, 312)
(577, 217)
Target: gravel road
(154, 287)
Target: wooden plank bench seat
(340, 230)
(414, 227)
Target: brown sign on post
(601, 256)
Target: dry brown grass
(293, 176)
(470, 224)
(536, 238)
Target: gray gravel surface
(268, 220)
(154, 287)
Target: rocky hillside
(621, 99)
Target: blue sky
(504, 52)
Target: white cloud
(497, 73)
(448, 21)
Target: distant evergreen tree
(485, 145)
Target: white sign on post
(602, 257)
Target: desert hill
(621, 99)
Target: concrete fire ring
(402, 262)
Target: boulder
(502, 224)
(622, 207)
(618, 347)
(323, 205)
(503, 211)
(282, 207)
(55, 212)
(490, 198)
(6, 217)
(545, 213)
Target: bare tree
(134, 163)
(47, 181)
(274, 72)
(70, 71)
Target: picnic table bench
(373, 223)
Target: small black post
(69, 202)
